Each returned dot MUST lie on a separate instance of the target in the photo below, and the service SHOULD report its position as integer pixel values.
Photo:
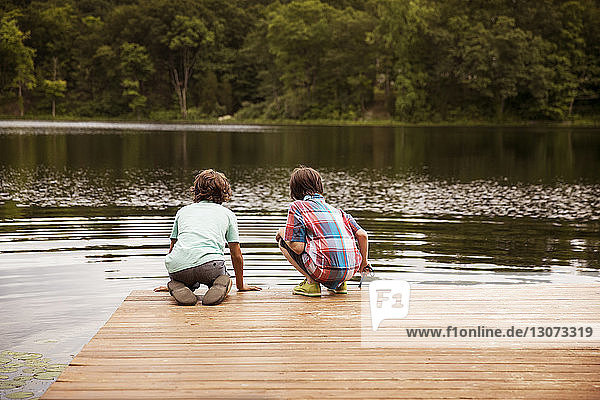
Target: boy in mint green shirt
(194, 246)
(198, 238)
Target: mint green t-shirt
(201, 230)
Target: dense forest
(418, 60)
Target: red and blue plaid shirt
(331, 255)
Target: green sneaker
(308, 289)
(342, 289)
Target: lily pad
(33, 370)
(29, 356)
(23, 378)
(14, 364)
(4, 360)
(37, 360)
(3, 377)
(6, 370)
(35, 363)
(56, 367)
(10, 384)
(19, 395)
(47, 375)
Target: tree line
(419, 60)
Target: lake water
(86, 209)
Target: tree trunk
(188, 64)
(500, 109)
(387, 86)
(177, 86)
(21, 103)
(55, 62)
(571, 107)
(181, 90)
(184, 106)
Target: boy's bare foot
(161, 289)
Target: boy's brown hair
(212, 186)
(305, 181)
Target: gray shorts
(203, 274)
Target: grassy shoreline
(577, 123)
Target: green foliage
(187, 42)
(395, 36)
(495, 60)
(410, 60)
(188, 33)
(16, 59)
(135, 62)
(135, 67)
(54, 89)
(131, 90)
(324, 62)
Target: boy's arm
(164, 288)
(294, 231)
(238, 265)
(298, 247)
(363, 245)
(173, 241)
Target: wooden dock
(271, 344)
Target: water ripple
(265, 190)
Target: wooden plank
(298, 356)
(102, 383)
(275, 345)
(239, 374)
(141, 366)
(226, 392)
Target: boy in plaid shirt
(322, 242)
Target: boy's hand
(280, 234)
(362, 267)
(248, 288)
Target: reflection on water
(85, 213)
(133, 247)
(531, 155)
(265, 190)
